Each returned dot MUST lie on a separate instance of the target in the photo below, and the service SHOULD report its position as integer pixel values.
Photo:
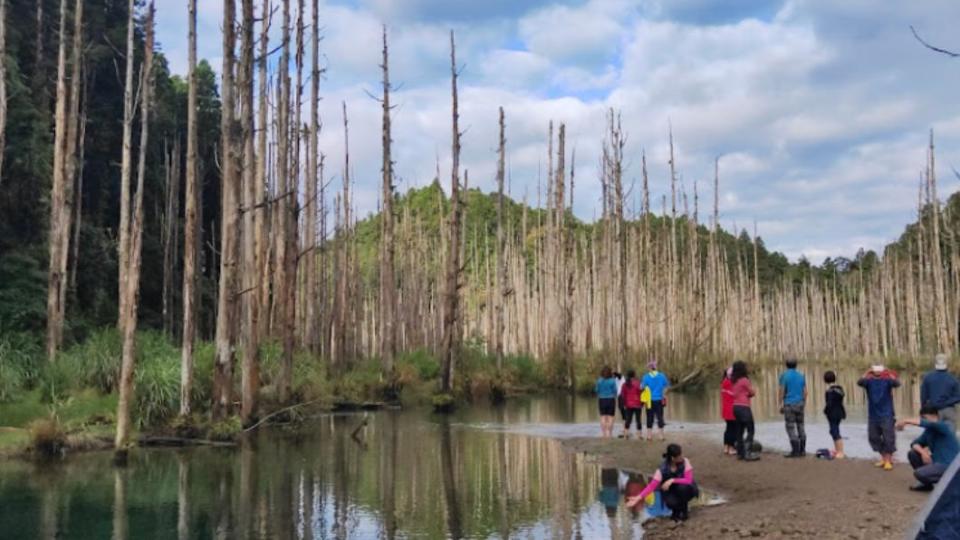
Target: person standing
(879, 383)
(835, 412)
(941, 390)
(606, 389)
(726, 411)
(932, 452)
(632, 406)
(743, 392)
(658, 384)
(793, 398)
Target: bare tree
(192, 230)
(388, 308)
(227, 299)
(128, 318)
(502, 286)
(250, 366)
(62, 186)
(451, 314)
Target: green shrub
(310, 381)
(362, 383)
(20, 359)
(228, 429)
(157, 392)
(96, 361)
(56, 381)
(425, 364)
(524, 371)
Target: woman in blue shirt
(607, 400)
(658, 384)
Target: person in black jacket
(835, 412)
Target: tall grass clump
(20, 359)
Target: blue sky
(819, 109)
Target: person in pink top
(632, 405)
(674, 478)
(726, 411)
(743, 392)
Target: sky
(819, 111)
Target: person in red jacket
(726, 411)
(632, 404)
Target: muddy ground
(775, 497)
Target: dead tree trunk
(451, 313)
(312, 315)
(388, 308)
(250, 366)
(230, 191)
(126, 161)
(502, 287)
(192, 230)
(132, 290)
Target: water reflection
(406, 474)
(414, 476)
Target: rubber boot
(794, 450)
(803, 447)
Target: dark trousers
(678, 497)
(655, 412)
(834, 428)
(745, 429)
(629, 414)
(925, 474)
(730, 433)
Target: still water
(483, 472)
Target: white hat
(940, 362)
(877, 368)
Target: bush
(444, 403)
(47, 437)
(360, 384)
(20, 359)
(425, 364)
(96, 361)
(227, 430)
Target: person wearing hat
(879, 383)
(941, 390)
(932, 452)
(658, 384)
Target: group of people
(631, 396)
(930, 454)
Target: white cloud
(819, 109)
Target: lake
(483, 472)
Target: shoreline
(774, 497)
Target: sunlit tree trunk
(132, 290)
(227, 300)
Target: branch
(951, 54)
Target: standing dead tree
(450, 352)
(128, 318)
(192, 231)
(252, 214)
(65, 128)
(388, 308)
(227, 299)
